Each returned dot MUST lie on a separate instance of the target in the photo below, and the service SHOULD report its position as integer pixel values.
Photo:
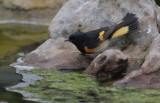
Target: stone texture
(32, 4)
(92, 14)
(152, 60)
(148, 75)
(110, 63)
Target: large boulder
(92, 14)
(32, 4)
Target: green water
(16, 36)
(16, 39)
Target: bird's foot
(82, 54)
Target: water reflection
(9, 78)
(12, 97)
(16, 40)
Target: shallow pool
(15, 41)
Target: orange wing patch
(101, 35)
(89, 50)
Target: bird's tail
(128, 24)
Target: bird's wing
(95, 37)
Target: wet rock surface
(138, 78)
(140, 46)
(110, 63)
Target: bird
(97, 41)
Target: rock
(152, 60)
(92, 14)
(56, 57)
(32, 4)
(105, 13)
(148, 75)
(110, 63)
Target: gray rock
(152, 60)
(148, 75)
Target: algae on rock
(73, 87)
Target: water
(12, 97)
(16, 40)
(58, 87)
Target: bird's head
(77, 38)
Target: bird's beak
(66, 40)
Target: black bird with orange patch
(97, 41)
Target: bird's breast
(102, 47)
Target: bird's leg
(82, 54)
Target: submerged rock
(110, 63)
(88, 15)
